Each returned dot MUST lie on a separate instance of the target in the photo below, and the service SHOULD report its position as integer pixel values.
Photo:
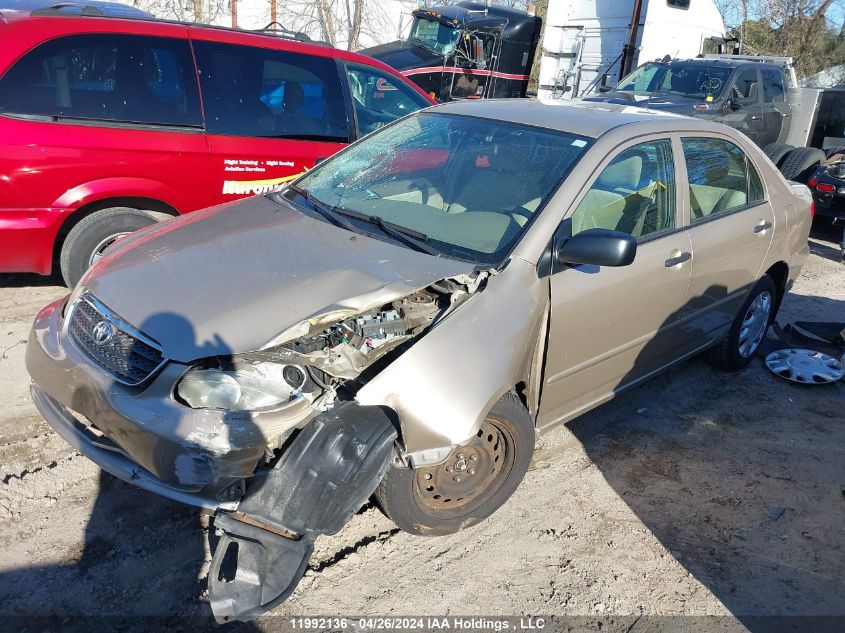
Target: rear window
(268, 93)
(105, 77)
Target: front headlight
(242, 388)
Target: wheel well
(145, 204)
(779, 272)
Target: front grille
(128, 358)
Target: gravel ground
(698, 493)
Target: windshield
(692, 80)
(433, 35)
(461, 186)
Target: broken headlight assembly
(242, 387)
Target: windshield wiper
(409, 237)
(328, 212)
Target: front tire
(749, 328)
(86, 241)
(472, 483)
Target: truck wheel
(85, 243)
(749, 328)
(776, 151)
(800, 163)
(474, 481)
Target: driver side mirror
(735, 104)
(598, 247)
(605, 88)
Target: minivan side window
(106, 77)
(635, 193)
(379, 98)
(261, 92)
(721, 178)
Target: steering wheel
(712, 86)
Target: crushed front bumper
(141, 434)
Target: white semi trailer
(590, 43)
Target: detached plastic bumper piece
(325, 476)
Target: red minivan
(108, 124)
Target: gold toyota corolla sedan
(402, 320)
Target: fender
(120, 187)
(441, 392)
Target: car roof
(584, 118)
(70, 7)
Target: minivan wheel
(85, 243)
(749, 328)
(472, 483)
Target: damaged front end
(326, 461)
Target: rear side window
(267, 93)
(106, 77)
(379, 98)
(721, 178)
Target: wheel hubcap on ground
(755, 324)
(468, 474)
(97, 255)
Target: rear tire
(749, 328)
(776, 151)
(93, 234)
(474, 481)
(800, 163)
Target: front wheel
(472, 483)
(86, 242)
(749, 328)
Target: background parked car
(108, 125)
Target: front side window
(635, 193)
(469, 186)
(379, 99)
(746, 87)
(773, 88)
(106, 77)
(260, 92)
(721, 178)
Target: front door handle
(678, 259)
(763, 226)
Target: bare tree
(201, 11)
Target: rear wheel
(776, 151)
(87, 241)
(749, 328)
(472, 483)
(800, 163)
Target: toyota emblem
(102, 333)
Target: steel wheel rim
(473, 472)
(97, 254)
(754, 324)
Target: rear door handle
(679, 259)
(763, 226)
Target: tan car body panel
(442, 396)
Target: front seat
(291, 121)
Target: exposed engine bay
(323, 360)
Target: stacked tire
(799, 164)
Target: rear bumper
(27, 237)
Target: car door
(270, 114)
(774, 108)
(610, 327)
(731, 228)
(745, 110)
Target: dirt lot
(698, 493)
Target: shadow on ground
(744, 485)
